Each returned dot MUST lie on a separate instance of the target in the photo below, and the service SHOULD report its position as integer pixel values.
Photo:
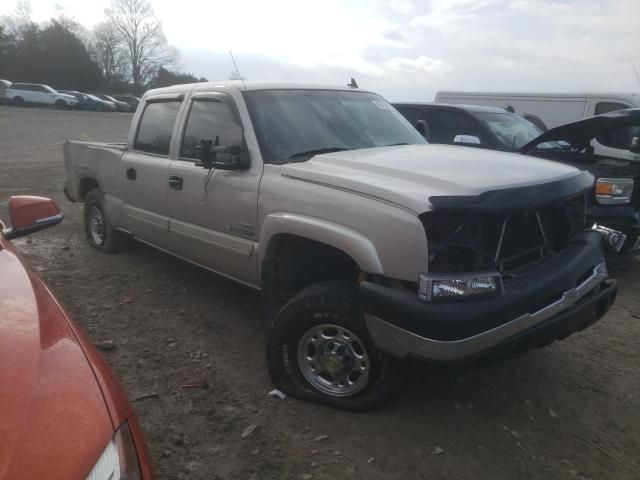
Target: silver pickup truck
(368, 245)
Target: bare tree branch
(141, 34)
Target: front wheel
(61, 104)
(319, 349)
(100, 233)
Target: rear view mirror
(31, 214)
(467, 140)
(635, 145)
(423, 128)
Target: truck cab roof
(240, 85)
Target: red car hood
(54, 420)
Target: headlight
(614, 191)
(119, 460)
(457, 286)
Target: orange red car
(63, 414)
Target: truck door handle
(175, 182)
(131, 173)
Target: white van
(555, 109)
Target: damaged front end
(509, 270)
(474, 248)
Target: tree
(20, 18)
(110, 53)
(165, 78)
(66, 61)
(7, 52)
(144, 40)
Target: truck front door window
(606, 107)
(213, 120)
(156, 127)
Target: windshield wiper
(396, 144)
(317, 151)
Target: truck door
(145, 172)
(213, 213)
(615, 144)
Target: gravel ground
(571, 410)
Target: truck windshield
(295, 125)
(514, 132)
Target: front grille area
(509, 241)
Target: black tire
(61, 104)
(18, 101)
(99, 108)
(112, 240)
(334, 303)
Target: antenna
(635, 70)
(237, 71)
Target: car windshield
(514, 132)
(294, 125)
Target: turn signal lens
(614, 191)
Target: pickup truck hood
(409, 175)
(579, 134)
(54, 422)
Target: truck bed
(99, 161)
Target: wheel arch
(342, 238)
(297, 251)
(85, 185)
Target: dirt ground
(571, 410)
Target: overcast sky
(404, 49)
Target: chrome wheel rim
(96, 225)
(334, 360)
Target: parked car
(368, 245)
(106, 105)
(4, 84)
(89, 102)
(37, 94)
(64, 415)
(614, 201)
(131, 100)
(120, 106)
(555, 109)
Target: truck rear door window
(210, 119)
(156, 127)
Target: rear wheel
(319, 349)
(99, 232)
(61, 104)
(18, 101)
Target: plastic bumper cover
(557, 295)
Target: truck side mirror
(222, 157)
(31, 214)
(423, 128)
(467, 140)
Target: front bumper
(550, 301)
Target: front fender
(345, 239)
